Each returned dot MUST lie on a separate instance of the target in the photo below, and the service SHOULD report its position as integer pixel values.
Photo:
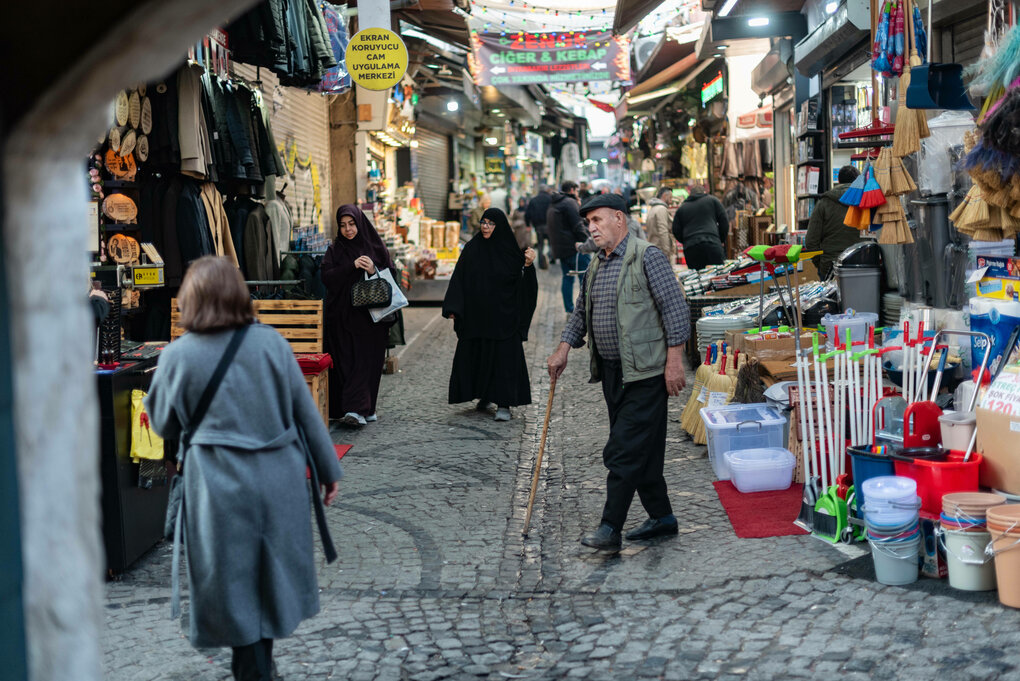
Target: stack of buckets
(965, 535)
(1004, 527)
(891, 517)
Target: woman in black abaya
(356, 343)
(491, 299)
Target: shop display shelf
(808, 133)
(812, 162)
(119, 226)
(119, 184)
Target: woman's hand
(363, 262)
(329, 492)
(529, 256)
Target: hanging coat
(247, 525)
(219, 225)
(258, 246)
(193, 133)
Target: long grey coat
(247, 523)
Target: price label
(148, 276)
(703, 395)
(717, 399)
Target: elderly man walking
(636, 320)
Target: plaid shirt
(666, 293)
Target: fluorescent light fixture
(460, 12)
(452, 105)
(491, 141)
(756, 22)
(602, 160)
(831, 7)
(717, 54)
(727, 8)
(495, 111)
(654, 94)
(414, 144)
(722, 47)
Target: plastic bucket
(891, 500)
(968, 508)
(1004, 527)
(864, 465)
(969, 568)
(957, 427)
(896, 563)
(936, 478)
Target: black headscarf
(491, 293)
(338, 270)
(366, 242)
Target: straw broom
(717, 383)
(908, 133)
(693, 405)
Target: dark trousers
(542, 238)
(579, 263)
(253, 662)
(636, 449)
(699, 256)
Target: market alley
(436, 581)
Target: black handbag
(374, 292)
(173, 509)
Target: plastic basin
(936, 478)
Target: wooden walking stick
(538, 460)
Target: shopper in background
(634, 314)
(826, 231)
(582, 191)
(484, 202)
(633, 226)
(500, 199)
(356, 343)
(658, 224)
(536, 216)
(519, 224)
(570, 240)
(245, 506)
(491, 299)
(700, 224)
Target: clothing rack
(274, 282)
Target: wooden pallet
(299, 321)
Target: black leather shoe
(604, 539)
(653, 527)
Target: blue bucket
(865, 465)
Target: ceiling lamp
(756, 22)
(727, 8)
(452, 105)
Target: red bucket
(937, 478)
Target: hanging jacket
(193, 133)
(258, 246)
(192, 224)
(238, 208)
(219, 225)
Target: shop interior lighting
(756, 22)
(458, 11)
(491, 141)
(722, 47)
(727, 8)
(452, 105)
(495, 111)
(831, 7)
(655, 94)
(414, 144)
(717, 54)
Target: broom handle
(875, 14)
(538, 459)
(929, 32)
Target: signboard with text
(376, 58)
(544, 58)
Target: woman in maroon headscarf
(356, 343)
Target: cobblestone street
(436, 581)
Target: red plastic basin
(937, 478)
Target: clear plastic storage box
(740, 426)
(760, 470)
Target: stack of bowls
(893, 530)
(892, 303)
(965, 535)
(713, 328)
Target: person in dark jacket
(536, 216)
(568, 235)
(700, 224)
(826, 231)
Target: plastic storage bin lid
(733, 415)
(889, 488)
(762, 458)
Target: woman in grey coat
(246, 524)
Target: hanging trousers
(253, 662)
(636, 450)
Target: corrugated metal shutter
(300, 122)
(432, 160)
(968, 39)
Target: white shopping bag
(397, 300)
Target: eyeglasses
(487, 223)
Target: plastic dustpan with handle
(937, 86)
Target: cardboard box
(998, 432)
(774, 349)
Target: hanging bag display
(374, 291)
(398, 300)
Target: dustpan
(937, 86)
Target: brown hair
(214, 296)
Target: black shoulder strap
(213, 386)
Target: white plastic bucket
(969, 568)
(896, 563)
(957, 427)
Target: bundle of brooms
(691, 416)
(911, 124)
(718, 382)
(895, 181)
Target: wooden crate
(299, 321)
(319, 385)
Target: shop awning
(663, 77)
(437, 18)
(630, 12)
(651, 102)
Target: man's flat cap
(613, 201)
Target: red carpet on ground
(340, 451)
(761, 514)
